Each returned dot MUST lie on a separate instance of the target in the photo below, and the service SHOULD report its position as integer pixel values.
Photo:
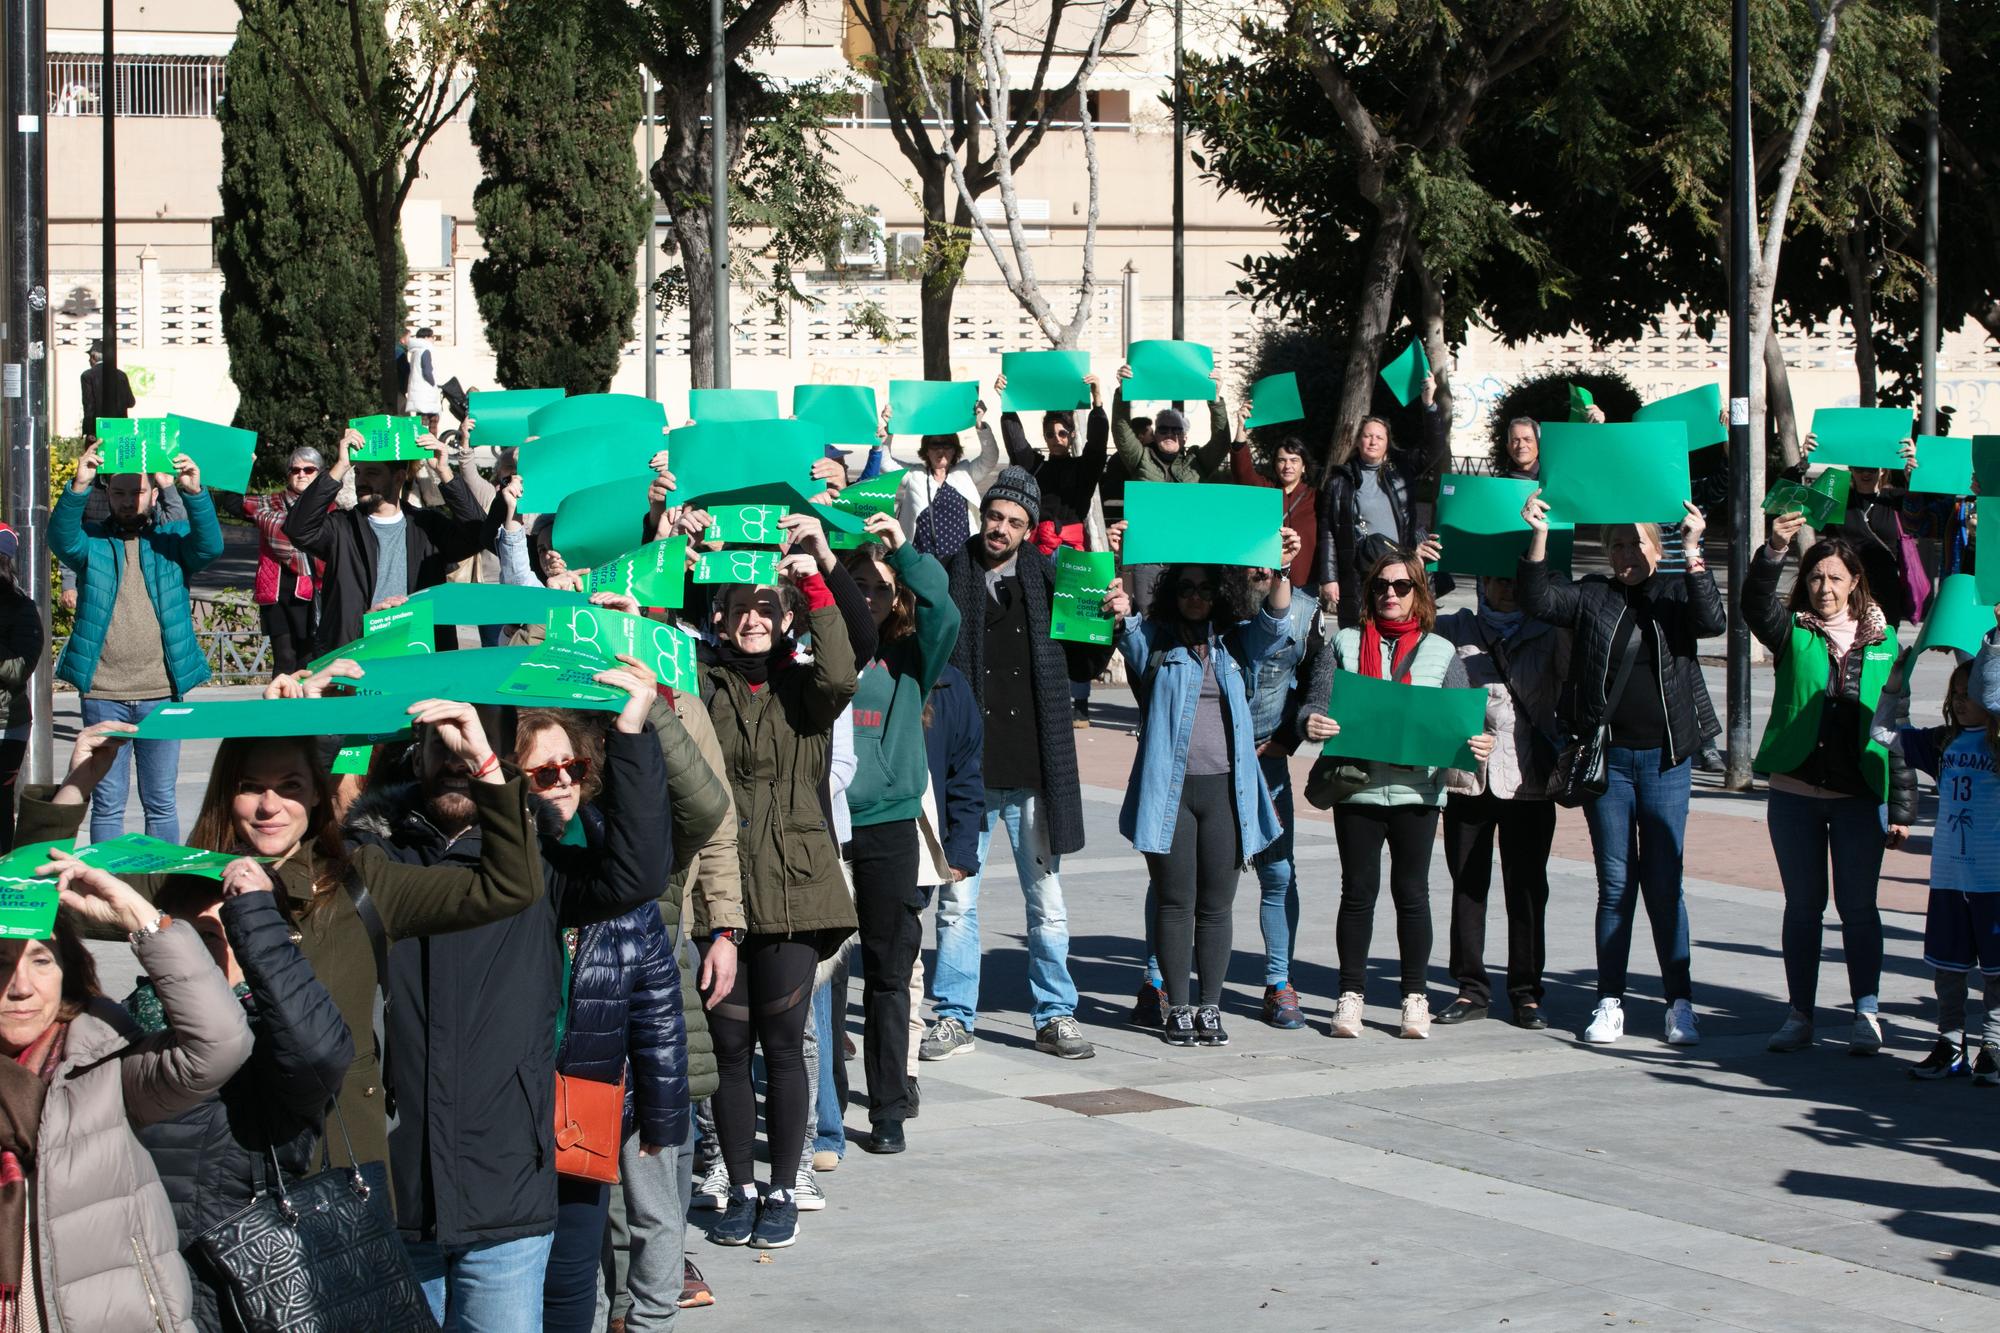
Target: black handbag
(1582, 773)
(318, 1255)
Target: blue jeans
(956, 977)
(574, 1271)
(1805, 833)
(829, 1128)
(1642, 817)
(488, 1287)
(159, 768)
(1278, 877)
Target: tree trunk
(938, 286)
(676, 180)
(388, 303)
(1430, 324)
(1860, 310)
(1371, 321)
(1784, 415)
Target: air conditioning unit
(864, 244)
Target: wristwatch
(734, 934)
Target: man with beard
(471, 1017)
(385, 549)
(133, 647)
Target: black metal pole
(1930, 291)
(107, 107)
(1742, 228)
(1180, 198)
(25, 384)
(718, 184)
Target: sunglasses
(305, 472)
(1196, 590)
(1401, 587)
(547, 775)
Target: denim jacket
(1153, 794)
(1271, 680)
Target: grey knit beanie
(1018, 485)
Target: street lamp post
(1742, 221)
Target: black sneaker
(777, 1223)
(738, 1220)
(1179, 1029)
(1208, 1027)
(1946, 1060)
(1986, 1070)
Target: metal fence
(182, 87)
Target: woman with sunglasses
(287, 578)
(1196, 806)
(1396, 805)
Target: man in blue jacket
(133, 646)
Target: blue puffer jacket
(625, 1007)
(169, 551)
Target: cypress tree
(562, 209)
(298, 269)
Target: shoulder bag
(1581, 772)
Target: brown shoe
(694, 1292)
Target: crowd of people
(538, 979)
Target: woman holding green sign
(1631, 696)
(1829, 777)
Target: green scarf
(144, 1005)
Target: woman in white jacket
(938, 500)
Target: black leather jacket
(1338, 517)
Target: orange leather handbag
(589, 1119)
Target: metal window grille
(180, 87)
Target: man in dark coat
(1004, 586)
(106, 391)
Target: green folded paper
(1959, 619)
(500, 417)
(1699, 409)
(132, 854)
(126, 445)
(653, 575)
(1580, 403)
(1821, 509)
(713, 405)
(845, 412)
(1861, 436)
(1174, 522)
(554, 467)
(1044, 381)
(352, 760)
(754, 567)
(475, 676)
(599, 411)
(1480, 530)
(224, 454)
(397, 631)
(754, 525)
(1619, 472)
(494, 603)
(600, 523)
(1076, 610)
(386, 439)
(932, 407)
(1275, 400)
(666, 649)
(1986, 463)
(1164, 370)
(28, 903)
(1405, 375)
(1415, 726)
(832, 520)
(1944, 466)
(720, 457)
(877, 495)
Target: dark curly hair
(1226, 608)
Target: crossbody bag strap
(1628, 654)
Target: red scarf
(1403, 635)
(23, 1081)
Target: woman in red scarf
(1395, 805)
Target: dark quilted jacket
(212, 1159)
(1339, 560)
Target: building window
(184, 87)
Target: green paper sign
(1699, 409)
(710, 460)
(1986, 463)
(653, 575)
(386, 439)
(1861, 436)
(555, 467)
(1480, 530)
(501, 416)
(932, 407)
(1415, 726)
(1822, 511)
(845, 412)
(1044, 381)
(1275, 400)
(1216, 524)
(1959, 618)
(877, 495)
(1164, 370)
(27, 908)
(600, 523)
(624, 413)
(478, 676)
(223, 453)
(1580, 403)
(1987, 511)
(353, 760)
(132, 854)
(754, 567)
(603, 634)
(712, 405)
(1944, 466)
(756, 525)
(1082, 578)
(1405, 375)
(398, 631)
(342, 715)
(1619, 472)
(126, 445)
(493, 604)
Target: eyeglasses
(547, 775)
(1401, 587)
(1196, 590)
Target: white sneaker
(1607, 1023)
(1416, 1018)
(1681, 1030)
(807, 1194)
(713, 1192)
(1866, 1038)
(1795, 1035)
(1347, 1014)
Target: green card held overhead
(1822, 510)
(1164, 370)
(600, 523)
(1619, 472)
(27, 907)
(725, 456)
(1480, 530)
(345, 715)
(653, 575)
(224, 454)
(709, 405)
(1405, 375)
(1986, 509)
(932, 407)
(352, 761)
(1170, 522)
(397, 631)
(493, 603)
(1944, 466)
(667, 650)
(136, 444)
(136, 854)
(1416, 726)
(877, 495)
(1076, 613)
(1275, 400)
(1699, 409)
(1959, 619)
(1861, 436)
(386, 439)
(845, 412)
(500, 417)
(1580, 403)
(1986, 463)
(754, 567)
(599, 412)
(1044, 381)
(755, 525)
(555, 466)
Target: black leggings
(288, 625)
(767, 1007)
(889, 907)
(1360, 831)
(1195, 886)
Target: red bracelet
(492, 762)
